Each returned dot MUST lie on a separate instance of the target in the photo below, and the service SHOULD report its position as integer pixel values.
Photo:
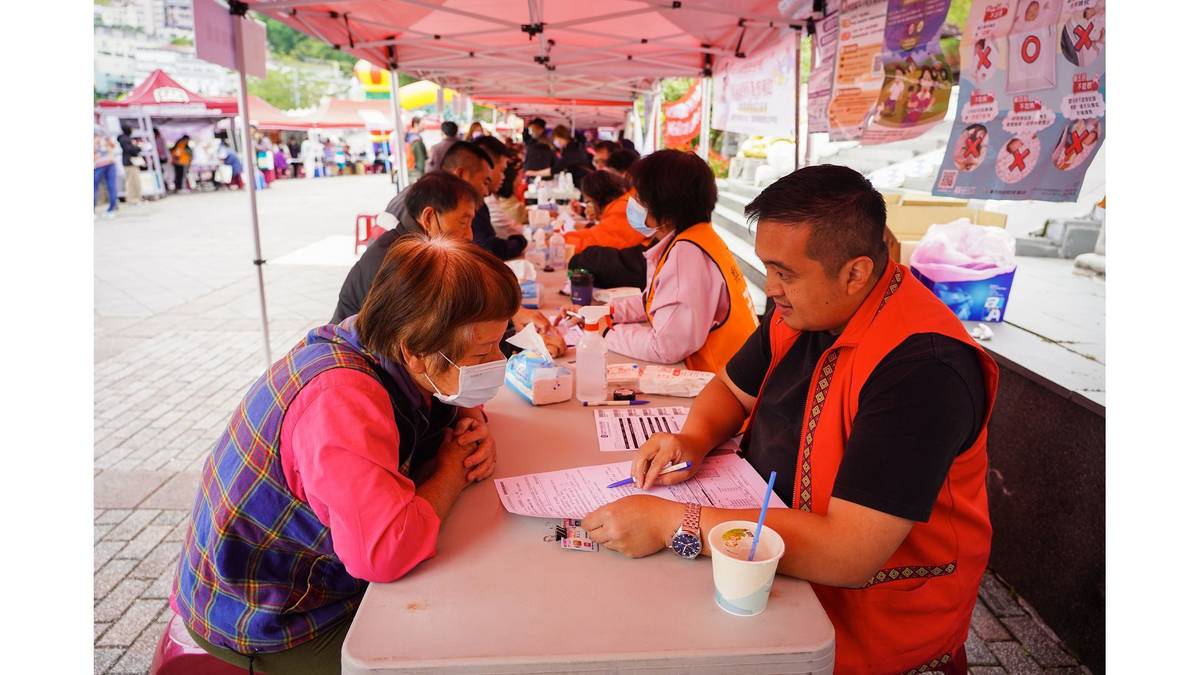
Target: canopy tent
(496, 48)
(159, 95)
(565, 51)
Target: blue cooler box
(982, 300)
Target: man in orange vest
(871, 402)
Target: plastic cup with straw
(762, 515)
(743, 584)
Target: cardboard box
(911, 218)
(981, 300)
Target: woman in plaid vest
(340, 463)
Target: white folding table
(498, 599)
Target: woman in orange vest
(869, 399)
(605, 200)
(696, 307)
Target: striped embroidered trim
(932, 665)
(891, 289)
(804, 487)
(922, 572)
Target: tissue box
(538, 379)
(979, 300)
(624, 374)
(531, 290)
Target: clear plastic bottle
(557, 251)
(591, 357)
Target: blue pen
(674, 467)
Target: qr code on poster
(948, 179)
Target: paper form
(624, 429)
(724, 481)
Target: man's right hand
(661, 451)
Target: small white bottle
(558, 250)
(591, 357)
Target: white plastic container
(591, 357)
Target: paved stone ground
(174, 285)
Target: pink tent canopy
(496, 49)
(159, 95)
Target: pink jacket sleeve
(339, 450)
(688, 300)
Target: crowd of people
(274, 159)
(341, 462)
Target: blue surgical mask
(636, 214)
(477, 384)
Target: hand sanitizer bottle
(591, 357)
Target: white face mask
(477, 384)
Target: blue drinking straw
(762, 515)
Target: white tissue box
(538, 379)
(607, 295)
(624, 374)
(668, 381)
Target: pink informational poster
(916, 77)
(858, 73)
(757, 95)
(820, 78)
(1031, 101)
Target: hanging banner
(1031, 101)
(858, 72)
(820, 78)
(681, 119)
(916, 77)
(757, 95)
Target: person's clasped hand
(475, 435)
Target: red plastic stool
(178, 654)
(366, 230)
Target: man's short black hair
(602, 187)
(449, 129)
(845, 213)
(441, 190)
(493, 146)
(464, 154)
(608, 146)
(676, 187)
(538, 121)
(622, 159)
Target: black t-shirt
(921, 407)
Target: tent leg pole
(398, 144)
(705, 118)
(250, 165)
(796, 133)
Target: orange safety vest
(727, 337)
(915, 611)
(613, 230)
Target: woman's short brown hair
(427, 291)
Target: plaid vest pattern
(258, 572)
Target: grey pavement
(178, 341)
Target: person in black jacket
(438, 203)
(539, 156)
(574, 158)
(613, 267)
(504, 248)
(132, 161)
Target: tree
(286, 90)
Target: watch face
(686, 545)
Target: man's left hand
(637, 525)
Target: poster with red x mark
(1031, 101)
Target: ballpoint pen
(674, 467)
(596, 404)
